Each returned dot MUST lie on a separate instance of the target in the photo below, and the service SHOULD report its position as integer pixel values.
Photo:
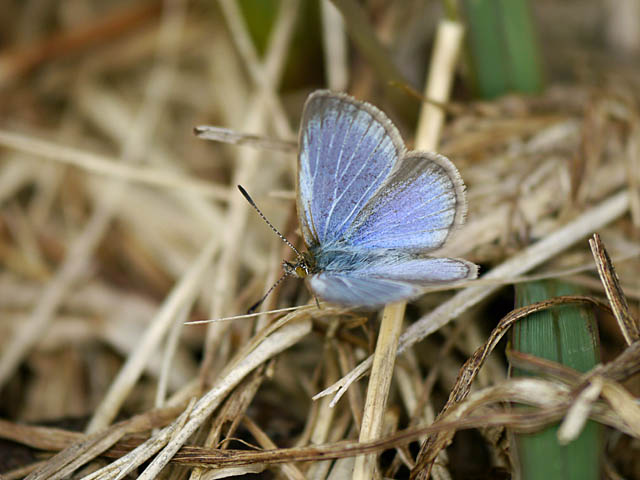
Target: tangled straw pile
(117, 225)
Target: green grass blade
(502, 49)
(524, 66)
(567, 335)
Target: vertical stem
(379, 383)
(438, 87)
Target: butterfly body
(370, 211)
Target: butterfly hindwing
(363, 289)
(371, 278)
(419, 270)
(356, 291)
(347, 150)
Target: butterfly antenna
(253, 307)
(253, 204)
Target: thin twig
(628, 325)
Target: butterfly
(369, 210)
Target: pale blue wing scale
(356, 291)
(421, 271)
(374, 278)
(347, 150)
(418, 206)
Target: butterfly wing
(373, 279)
(347, 150)
(356, 291)
(416, 208)
(369, 210)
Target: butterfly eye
(301, 271)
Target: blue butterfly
(369, 210)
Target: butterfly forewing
(416, 208)
(347, 150)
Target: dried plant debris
(120, 230)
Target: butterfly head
(302, 267)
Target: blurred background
(108, 201)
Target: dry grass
(118, 225)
